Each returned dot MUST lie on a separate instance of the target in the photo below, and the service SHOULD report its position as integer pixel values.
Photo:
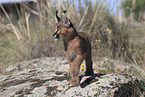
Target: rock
(38, 92)
(48, 77)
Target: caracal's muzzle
(56, 34)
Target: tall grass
(30, 36)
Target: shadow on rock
(89, 79)
(131, 89)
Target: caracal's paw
(75, 81)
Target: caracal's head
(62, 26)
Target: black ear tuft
(66, 20)
(56, 11)
(58, 18)
(64, 11)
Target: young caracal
(77, 47)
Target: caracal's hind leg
(89, 63)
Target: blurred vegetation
(135, 7)
(30, 36)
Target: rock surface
(47, 77)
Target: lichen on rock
(48, 77)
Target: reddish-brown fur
(77, 48)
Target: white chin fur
(56, 39)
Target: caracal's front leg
(74, 70)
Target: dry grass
(31, 36)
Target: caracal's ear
(58, 18)
(66, 22)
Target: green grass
(31, 36)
